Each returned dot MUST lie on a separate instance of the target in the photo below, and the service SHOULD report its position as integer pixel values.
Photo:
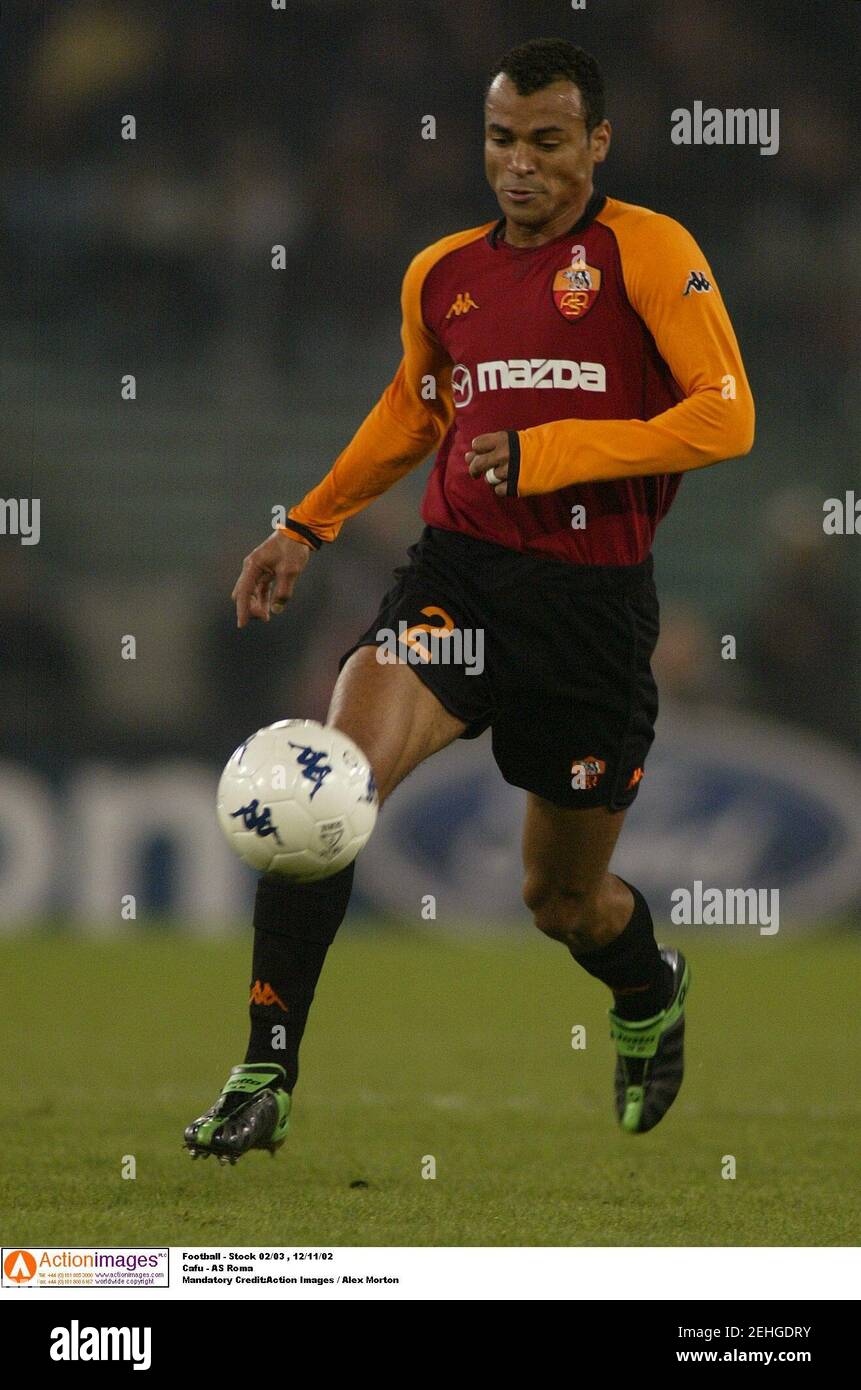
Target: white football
(299, 799)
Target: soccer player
(569, 362)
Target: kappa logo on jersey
(576, 286)
(462, 305)
(696, 281)
(585, 773)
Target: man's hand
(267, 578)
(490, 451)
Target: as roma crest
(576, 288)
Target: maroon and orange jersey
(607, 353)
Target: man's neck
(549, 231)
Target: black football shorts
(553, 658)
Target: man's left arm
(670, 285)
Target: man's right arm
(408, 422)
(410, 419)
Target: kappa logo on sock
(265, 994)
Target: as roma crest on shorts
(576, 287)
(586, 773)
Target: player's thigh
(566, 852)
(391, 714)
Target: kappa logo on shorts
(586, 772)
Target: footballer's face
(539, 157)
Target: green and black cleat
(651, 1055)
(252, 1112)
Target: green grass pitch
(424, 1045)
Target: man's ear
(600, 141)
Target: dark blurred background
(301, 127)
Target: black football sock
(631, 965)
(294, 926)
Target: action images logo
(42, 1267)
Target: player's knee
(561, 913)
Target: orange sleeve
(695, 338)
(407, 423)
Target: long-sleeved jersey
(607, 354)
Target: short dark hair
(538, 62)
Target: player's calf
(580, 919)
(610, 933)
(649, 985)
